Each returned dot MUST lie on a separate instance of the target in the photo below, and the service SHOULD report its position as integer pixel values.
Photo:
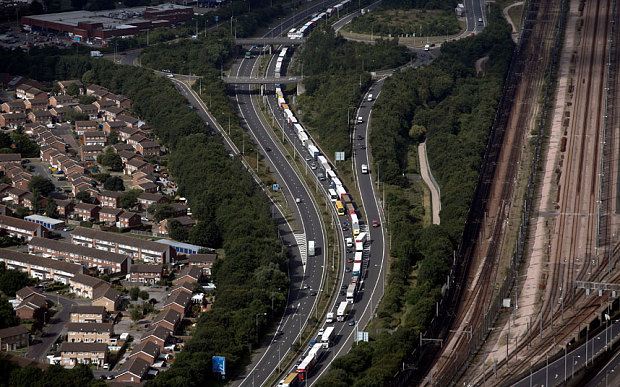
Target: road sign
(219, 365)
(362, 336)
(339, 156)
(276, 187)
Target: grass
(395, 22)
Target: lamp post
(258, 314)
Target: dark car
(268, 149)
(313, 293)
(349, 251)
(344, 286)
(351, 323)
(344, 228)
(349, 260)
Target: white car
(297, 200)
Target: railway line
(574, 253)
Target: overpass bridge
(277, 40)
(261, 80)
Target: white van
(369, 97)
(427, 47)
(364, 168)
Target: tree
(177, 231)
(7, 314)
(24, 145)
(51, 209)
(134, 293)
(21, 212)
(5, 141)
(74, 115)
(13, 280)
(136, 314)
(161, 211)
(113, 138)
(144, 295)
(41, 185)
(417, 133)
(101, 177)
(111, 160)
(114, 183)
(73, 89)
(86, 99)
(129, 198)
(83, 196)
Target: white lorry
(311, 249)
(343, 309)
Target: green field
(406, 22)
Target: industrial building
(101, 26)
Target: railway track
(576, 226)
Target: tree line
(452, 108)
(336, 74)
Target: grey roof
(83, 251)
(148, 347)
(169, 315)
(136, 366)
(145, 268)
(87, 309)
(179, 298)
(90, 327)
(159, 331)
(83, 347)
(191, 271)
(119, 238)
(49, 263)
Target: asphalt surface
(555, 373)
(53, 328)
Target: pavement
(425, 171)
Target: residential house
(125, 133)
(180, 209)
(110, 127)
(21, 228)
(136, 139)
(129, 219)
(148, 148)
(87, 212)
(184, 221)
(168, 318)
(109, 215)
(26, 292)
(13, 107)
(61, 100)
(130, 121)
(146, 350)
(108, 297)
(179, 301)
(90, 109)
(104, 261)
(189, 274)
(32, 307)
(129, 155)
(140, 249)
(40, 267)
(121, 146)
(96, 89)
(41, 116)
(13, 338)
(145, 274)
(36, 104)
(119, 100)
(133, 370)
(12, 120)
(60, 113)
(158, 335)
(88, 314)
(111, 113)
(143, 177)
(84, 285)
(102, 105)
(90, 333)
(135, 165)
(145, 200)
(72, 354)
(182, 287)
(25, 91)
(203, 261)
(85, 126)
(90, 152)
(94, 138)
(65, 207)
(65, 84)
(109, 198)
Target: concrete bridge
(277, 40)
(261, 80)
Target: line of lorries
(298, 33)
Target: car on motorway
(297, 200)
(351, 323)
(344, 286)
(345, 223)
(349, 251)
(345, 228)
(343, 293)
(313, 166)
(313, 293)
(362, 146)
(308, 158)
(347, 270)
(375, 223)
(306, 287)
(267, 149)
(350, 260)
(321, 331)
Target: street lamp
(258, 314)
